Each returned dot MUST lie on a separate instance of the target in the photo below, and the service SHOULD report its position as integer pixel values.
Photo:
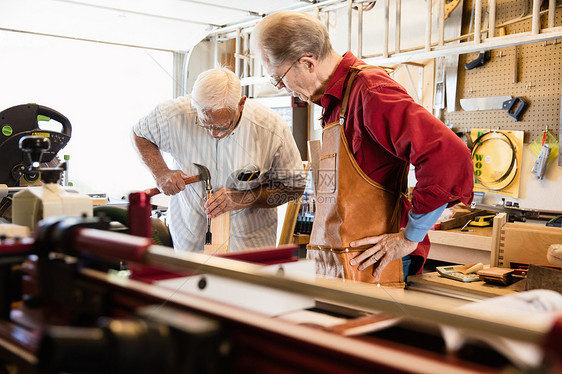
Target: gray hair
(216, 89)
(286, 36)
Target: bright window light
(102, 89)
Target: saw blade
(23, 182)
(484, 103)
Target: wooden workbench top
(476, 237)
(434, 283)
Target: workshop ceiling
(174, 25)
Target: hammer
(204, 176)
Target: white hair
(216, 89)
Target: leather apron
(350, 206)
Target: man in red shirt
(383, 130)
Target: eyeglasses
(220, 127)
(275, 82)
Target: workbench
(461, 247)
(199, 310)
(475, 244)
(469, 291)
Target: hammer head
(204, 175)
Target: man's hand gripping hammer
(203, 176)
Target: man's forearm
(150, 155)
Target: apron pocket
(327, 174)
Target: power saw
(19, 121)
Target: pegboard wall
(539, 76)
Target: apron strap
(402, 191)
(345, 101)
(354, 71)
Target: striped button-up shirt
(262, 142)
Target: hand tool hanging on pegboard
(539, 167)
(515, 106)
(546, 149)
(453, 26)
(481, 60)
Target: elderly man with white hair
(249, 150)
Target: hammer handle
(192, 179)
(155, 191)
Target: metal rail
(415, 307)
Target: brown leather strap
(345, 100)
(354, 70)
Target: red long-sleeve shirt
(386, 127)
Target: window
(102, 89)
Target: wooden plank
(458, 255)
(459, 221)
(531, 226)
(291, 215)
(220, 228)
(477, 238)
(499, 221)
(477, 290)
(300, 239)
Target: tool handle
(155, 191)
(152, 191)
(515, 107)
(479, 61)
(49, 113)
(192, 179)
